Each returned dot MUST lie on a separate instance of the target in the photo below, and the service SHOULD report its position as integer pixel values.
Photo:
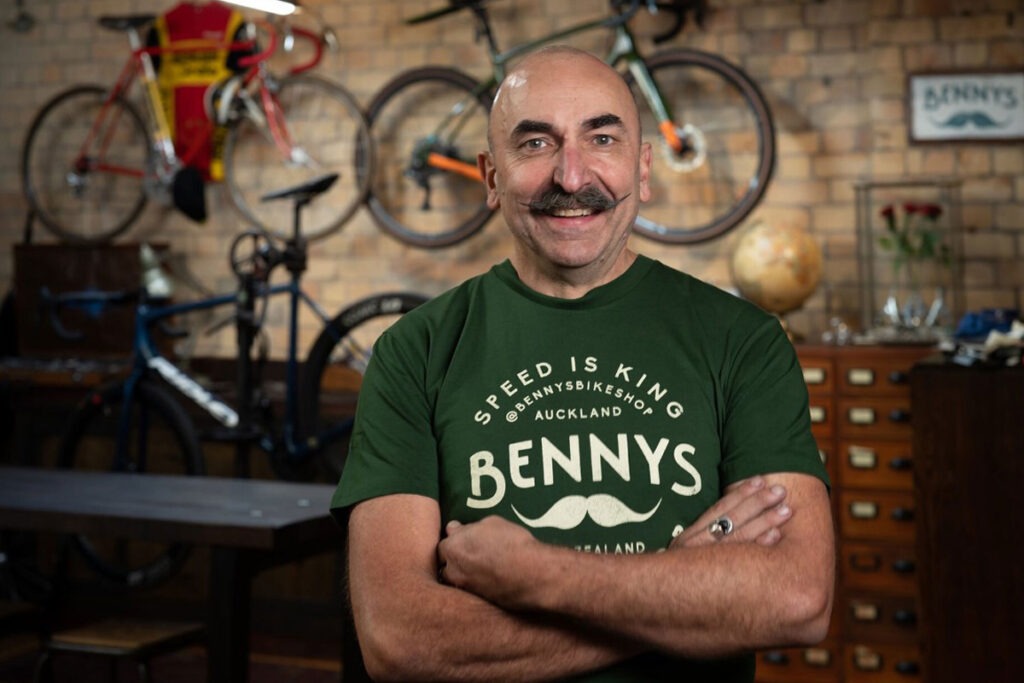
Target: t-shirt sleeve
(392, 449)
(767, 427)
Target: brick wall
(833, 70)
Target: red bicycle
(92, 159)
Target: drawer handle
(866, 562)
(817, 656)
(904, 566)
(905, 617)
(899, 415)
(907, 668)
(898, 377)
(902, 515)
(777, 657)
(901, 464)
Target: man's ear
(486, 165)
(645, 171)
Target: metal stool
(139, 640)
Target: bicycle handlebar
(92, 301)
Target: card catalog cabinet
(860, 416)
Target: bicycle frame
(147, 357)
(169, 159)
(622, 50)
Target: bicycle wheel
(328, 133)
(423, 112)
(83, 165)
(160, 440)
(334, 369)
(729, 148)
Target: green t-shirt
(605, 423)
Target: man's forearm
(703, 599)
(411, 627)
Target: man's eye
(603, 140)
(535, 143)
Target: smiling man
(581, 464)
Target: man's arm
(411, 626)
(701, 598)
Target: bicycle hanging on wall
(139, 423)
(92, 159)
(709, 123)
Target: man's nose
(571, 170)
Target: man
(582, 463)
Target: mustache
(569, 512)
(590, 197)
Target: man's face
(565, 128)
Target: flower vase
(913, 310)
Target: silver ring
(720, 528)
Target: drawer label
(864, 509)
(861, 377)
(862, 416)
(862, 458)
(817, 414)
(814, 375)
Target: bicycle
(152, 431)
(92, 160)
(709, 122)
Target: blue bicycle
(139, 423)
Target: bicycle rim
(161, 440)
(327, 133)
(73, 186)
(415, 202)
(694, 198)
(335, 365)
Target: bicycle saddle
(304, 191)
(126, 22)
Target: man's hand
(480, 557)
(757, 511)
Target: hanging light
(279, 7)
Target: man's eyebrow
(603, 121)
(527, 126)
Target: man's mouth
(570, 213)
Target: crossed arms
(489, 602)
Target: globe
(776, 267)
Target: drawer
(874, 417)
(879, 374)
(879, 568)
(818, 374)
(876, 464)
(870, 617)
(881, 663)
(877, 515)
(822, 419)
(819, 664)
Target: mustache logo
(569, 512)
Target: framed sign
(966, 106)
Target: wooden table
(249, 525)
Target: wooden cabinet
(861, 417)
(969, 451)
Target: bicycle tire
(75, 203)
(724, 104)
(327, 124)
(338, 358)
(172, 447)
(417, 204)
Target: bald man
(582, 464)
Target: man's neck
(570, 283)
